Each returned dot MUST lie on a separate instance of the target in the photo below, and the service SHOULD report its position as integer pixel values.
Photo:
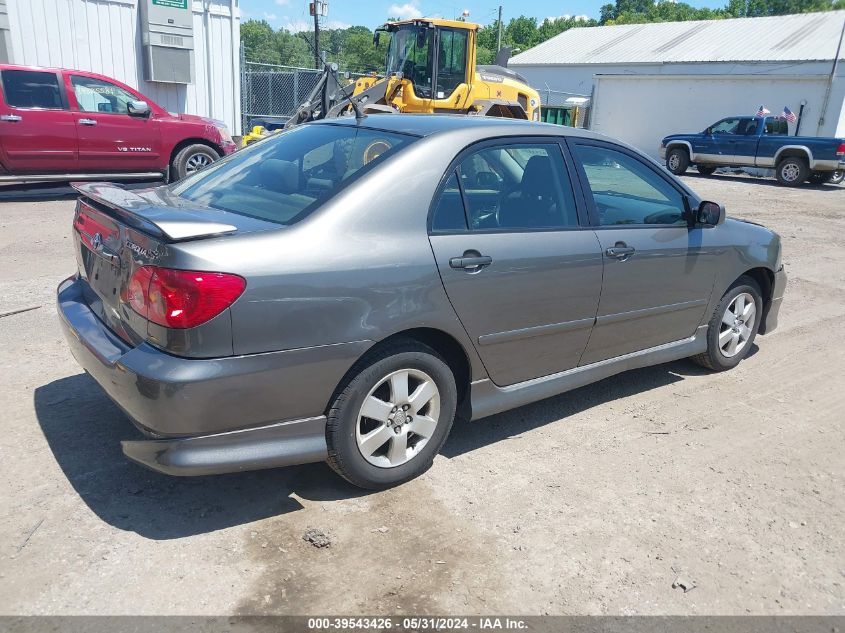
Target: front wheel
(677, 161)
(733, 326)
(191, 159)
(385, 427)
(837, 177)
(792, 171)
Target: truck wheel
(392, 418)
(706, 170)
(677, 161)
(792, 171)
(191, 159)
(837, 177)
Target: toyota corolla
(347, 289)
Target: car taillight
(181, 298)
(840, 151)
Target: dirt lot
(591, 502)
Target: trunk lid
(117, 231)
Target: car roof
(430, 124)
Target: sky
(293, 14)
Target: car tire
(677, 160)
(727, 342)
(377, 436)
(792, 171)
(706, 170)
(836, 177)
(191, 159)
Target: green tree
(258, 41)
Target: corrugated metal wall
(103, 36)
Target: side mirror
(710, 214)
(138, 108)
(376, 38)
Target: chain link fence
(271, 93)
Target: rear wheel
(191, 159)
(792, 171)
(733, 326)
(677, 160)
(385, 427)
(820, 177)
(707, 170)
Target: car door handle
(620, 251)
(471, 261)
(11, 118)
(87, 122)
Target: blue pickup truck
(747, 141)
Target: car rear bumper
(771, 311)
(210, 415)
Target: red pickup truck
(59, 125)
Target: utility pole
(499, 36)
(315, 10)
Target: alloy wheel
(398, 418)
(790, 172)
(737, 324)
(196, 162)
(674, 161)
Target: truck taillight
(840, 151)
(181, 298)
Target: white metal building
(108, 37)
(650, 80)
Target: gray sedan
(345, 290)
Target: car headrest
(280, 175)
(538, 178)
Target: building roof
(783, 38)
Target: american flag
(789, 115)
(762, 111)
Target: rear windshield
(283, 178)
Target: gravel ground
(592, 502)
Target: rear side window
(283, 178)
(32, 89)
(777, 127)
(510, 187)
(627, 191)
(449, 213)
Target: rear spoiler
(173, 224)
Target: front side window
(728, 126)
(626, 191)
(451, 64)
(32, 89)
(500, 193)
(96, 95)
(410, 53)
(285, 177)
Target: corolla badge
(140, 250)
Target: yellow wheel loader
(431, 67)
